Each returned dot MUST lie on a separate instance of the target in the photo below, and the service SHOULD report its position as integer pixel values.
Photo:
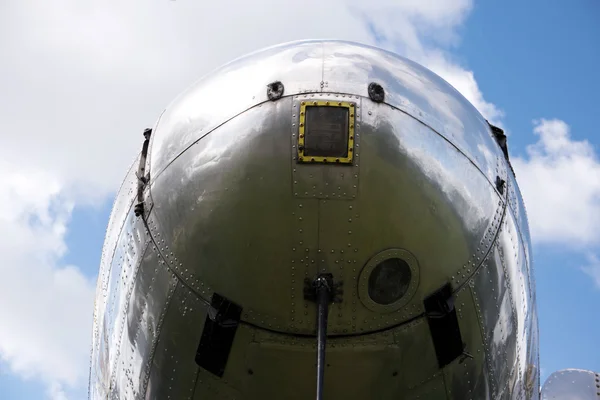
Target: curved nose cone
(392, 192)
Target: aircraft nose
(261, 205)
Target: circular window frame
(365, 274)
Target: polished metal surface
(230, 209)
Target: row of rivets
(126, 303)
(465, 271)
(155, 337)
(302, 185)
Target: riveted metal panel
(483, 250)
(467, 377)
(173, 371)
(235, 213)
(100, 367)
(415, 90)
(314, 66)
(121, 207)
(237, 371)
(496, 317)
(416, 347)
(304, 260)
(264, 364)
(120, 210)
(430, 201)
(338, 255)
(231, 90)
(232, 229)
(211, 387)
(515, 262)
(380, 365)
(518, 207)
(130, 246)
(365, 364)
(321, 181)
(501, 172)
(152, 291)
(408, 343)
(532, 371)
(516, 274)
(435, 388)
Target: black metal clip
(500, 184)
(142, 179)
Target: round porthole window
(389, 280)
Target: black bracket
(336, 293)
(443, 325)
(500, 184)
(142, 178)
(500, 139)
(220, 326)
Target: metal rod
(323, 297)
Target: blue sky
(536, 61)
(533, 66)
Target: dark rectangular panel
(221, 323)
(326, 132)
(443, 325)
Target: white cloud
(56, 392)
(80, 80)
(592, 268)
(411, 26)
(560, 181)
(45, 313)
(464, 81)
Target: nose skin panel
(230, 90)
(414, 90)
(230, 212)
(232, 221)
(269, 365)
(225, 212)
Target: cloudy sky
(80, 80)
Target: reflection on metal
(237, 218)
(530, 380)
